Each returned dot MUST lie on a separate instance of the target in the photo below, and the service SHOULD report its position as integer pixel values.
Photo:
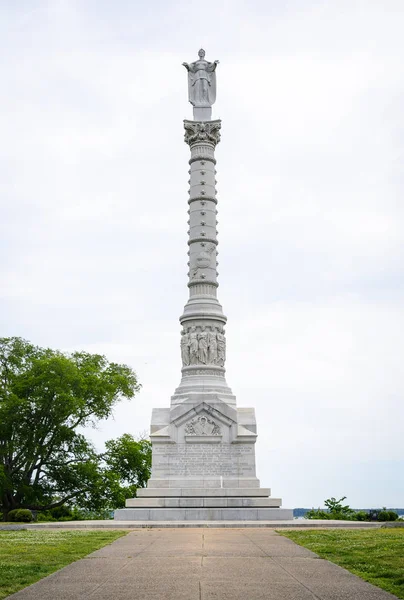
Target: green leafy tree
(45, 396)
(130, 459)
(335, 511)
(338, 510)
(123, 468)
(128, 464)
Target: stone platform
(113, 524)
(205, 504)
(203, 514)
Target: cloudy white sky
(310, 179)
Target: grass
(375, 555)
(27, 555)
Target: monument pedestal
(203, 504)
(203, 466)
(203, 446)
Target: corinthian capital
(202, 131)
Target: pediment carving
(202, 425)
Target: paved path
(202, 564)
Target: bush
(387, 515)
(393, 515)
(361, 515)
(335, 510)
(61, 512)
(44, 516)
(81, 514)
(317, 514)
(20, 515)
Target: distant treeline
(300, 512)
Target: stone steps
(223, 502)
(194, 492)
(203, 514)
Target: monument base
(203, 514)
(203, 504)
(203, 464)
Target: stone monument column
(203, 445)
(203, 319)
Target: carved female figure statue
(212, 346)
(221, 348)
(201, 81)
(185, 348)
(203, 346)
(193, 346)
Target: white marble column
(203, 342)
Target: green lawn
(376, 555)
(26, 556)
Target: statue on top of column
(201, 81)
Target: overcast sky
(311, 187)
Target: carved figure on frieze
(202, 425)
(212, 346)
(193, 346)
(203, 346)
(185, 342)
(221, 347)
(203, 261)
(201, 81)
(204, 258)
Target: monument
(203, 445)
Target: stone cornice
(215, 368)
(203, 199)
(202, 132)
(204, 316)
(203, 239)
(198, 158)
(198, 281)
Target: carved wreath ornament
(200, 131)
(202, 425)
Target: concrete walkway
(202, 564)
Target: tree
(335, 511)
(130, 459)
(124, 467)
(45, 396)
(338, 510)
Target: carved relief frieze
(203, 346)
(202, 425)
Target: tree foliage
(124, 467)
(130, 459)
(337, 511)
(45, 396)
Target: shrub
(61, 512)
(339, 511)
(361, 515)
(387, 515)
(393, 515)
(44, 516)
(20, 515)
(317, 514)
